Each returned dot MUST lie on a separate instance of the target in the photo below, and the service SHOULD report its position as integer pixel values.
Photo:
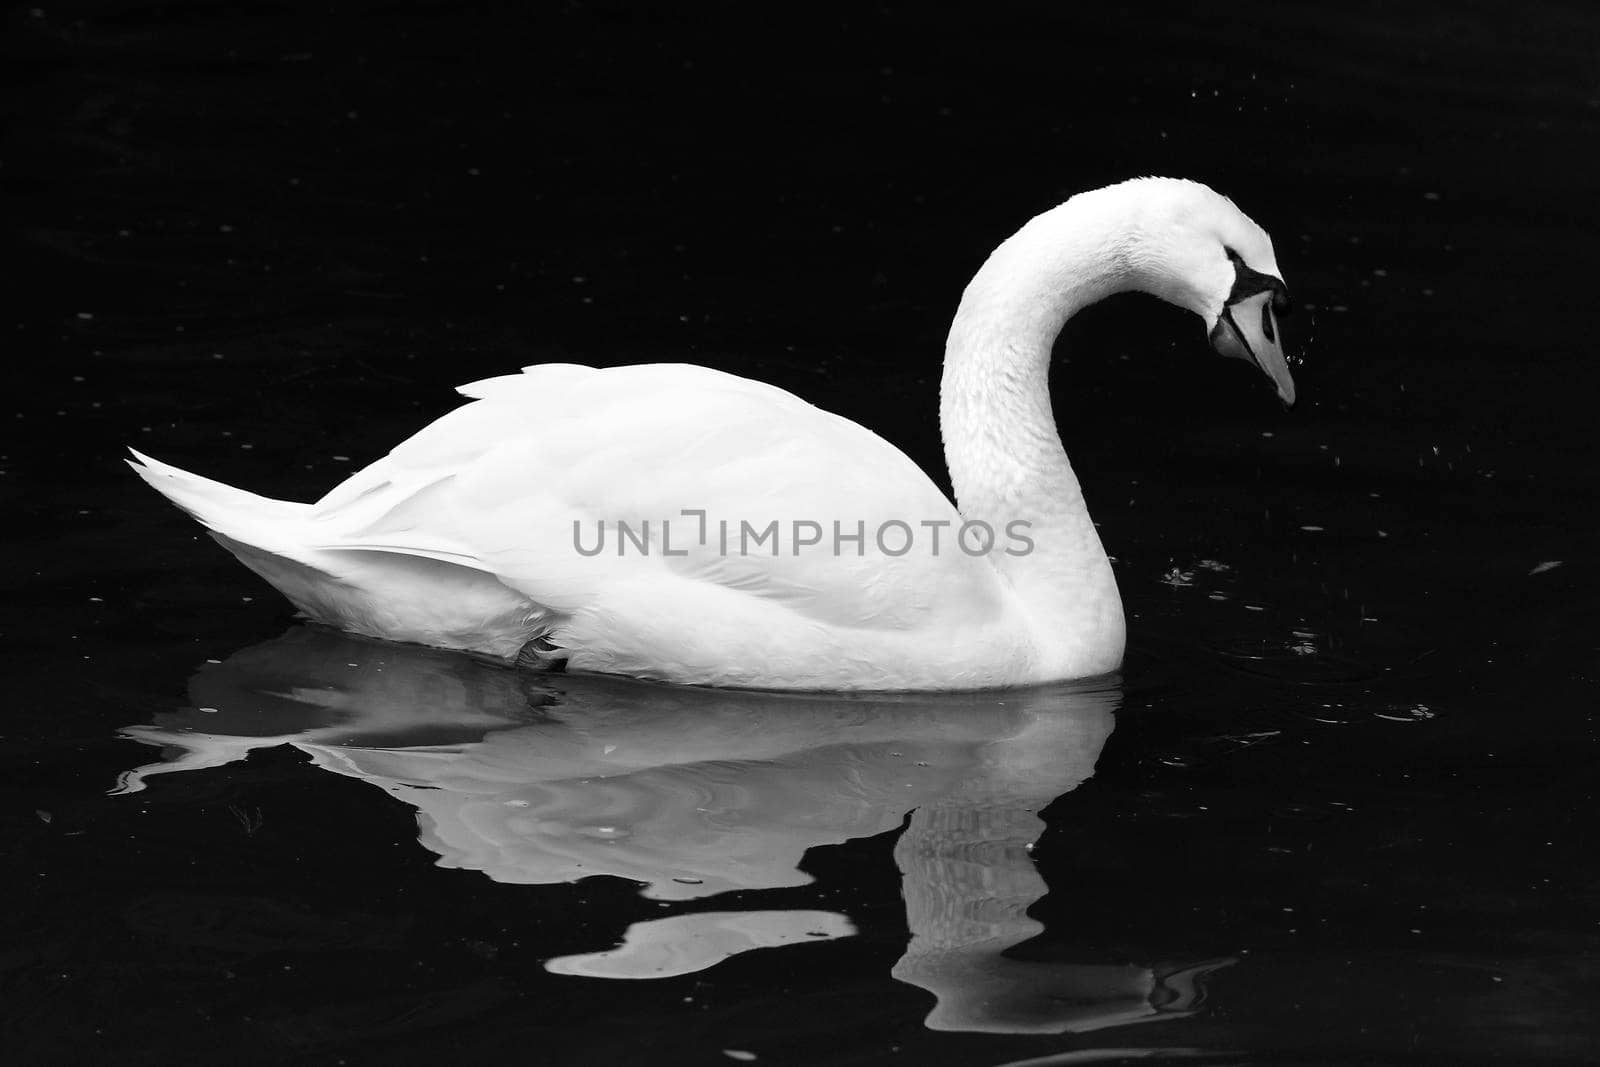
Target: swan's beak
(1248, 330)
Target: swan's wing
(517, 481)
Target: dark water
(1337, 809)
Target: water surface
(1336, 809)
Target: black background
(251, 239)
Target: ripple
(1298, 661)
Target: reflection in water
(535, 779)
(683, 944)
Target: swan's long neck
(1005, 456)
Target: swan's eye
(1267, 329)
(1247, 282)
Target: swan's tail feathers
(413, 593)
(268, 536)
(243, 522)
(220, 507)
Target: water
(1335, 810)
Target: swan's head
(1199, 251)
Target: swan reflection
(539, 778)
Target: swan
(677, 523)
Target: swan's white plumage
(466, 535)
(498, 484)
(495, 487)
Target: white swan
(731, 509)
